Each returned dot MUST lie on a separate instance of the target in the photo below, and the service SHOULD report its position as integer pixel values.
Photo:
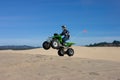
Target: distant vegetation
(115, 43)
(22, 47)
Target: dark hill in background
(21, 47)
(115, 43)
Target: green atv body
(56, 42)
(59, 38)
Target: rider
(65, 33)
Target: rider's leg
(65, 39)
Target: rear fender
(69, 44)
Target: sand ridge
(88, 63)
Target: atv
(56, 43)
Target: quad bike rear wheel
(46, 45)
(61, 52)
(70, 52)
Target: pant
(65, 39)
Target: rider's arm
(62, 33)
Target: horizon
(75, 45)
(32, 22)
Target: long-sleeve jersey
(65, 33)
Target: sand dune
(88, 63)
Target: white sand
(88, 63)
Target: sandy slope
(98, 63)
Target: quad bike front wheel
(46, 45)
(61, 52)
(70, 52)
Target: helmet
(64, 27)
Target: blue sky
(30, 22)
